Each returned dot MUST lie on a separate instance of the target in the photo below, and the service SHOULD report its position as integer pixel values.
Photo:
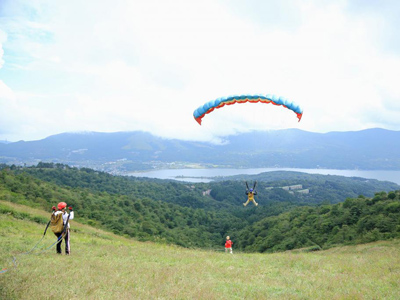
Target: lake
(204, 175)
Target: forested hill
(119, 152)
(201, 215)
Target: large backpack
(56, 223)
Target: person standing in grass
(66, 217)
(228, 245)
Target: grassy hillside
(106, 266)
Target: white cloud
(3, 38)
(147, 65)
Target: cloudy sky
(126, 65)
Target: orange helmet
(62, 205)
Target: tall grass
(105, 266)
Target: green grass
(106, 266)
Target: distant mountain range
(372, 149)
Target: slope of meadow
(106, 266)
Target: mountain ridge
(373, 149)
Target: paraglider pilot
(250, 194)
(66, 217)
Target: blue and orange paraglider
(221, 102)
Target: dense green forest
(336, 210)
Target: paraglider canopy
(208, 107)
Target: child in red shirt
(228, 245)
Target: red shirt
(228, 244)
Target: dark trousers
(66, 241)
